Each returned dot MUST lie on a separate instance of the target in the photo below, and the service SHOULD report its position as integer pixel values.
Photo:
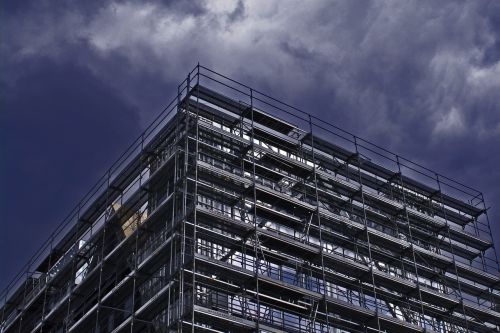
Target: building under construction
(234, 212)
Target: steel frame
(222, 216)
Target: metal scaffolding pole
(320, 227)
(413, 255)
(256, 244)
(447, 226)
(367, 234)
(195, 200)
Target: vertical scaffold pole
(455, 271)
(101, 266)
(256, 235)
(367, 233)
(4, 306)
(321, 247)
(414, 258)
(184, 204)
(195, 196)
(495, 254)
(74, 267)
(47, 277)
(137, 235)
(171, 310)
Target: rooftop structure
(234, 212)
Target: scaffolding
(234, 211)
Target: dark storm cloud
(419, 77)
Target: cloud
(451, 123)
(392, 62)
(393, 65)
(419, 77)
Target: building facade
(236, 212)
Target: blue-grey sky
(79, 80)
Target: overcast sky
(79, 80)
